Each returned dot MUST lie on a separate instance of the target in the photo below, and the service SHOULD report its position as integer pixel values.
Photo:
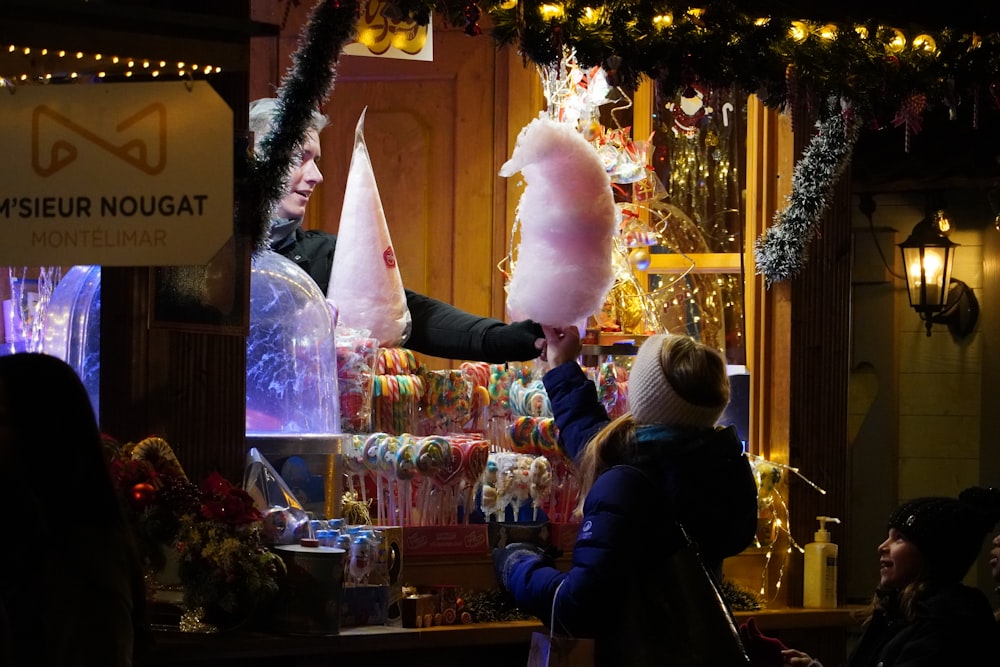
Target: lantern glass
(928, 256)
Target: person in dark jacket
(663, 459)
(922, 615)
(72, 590)
(438, 329)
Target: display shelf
(482, 644)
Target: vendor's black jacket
(438, 329)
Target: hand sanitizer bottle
(819, 585)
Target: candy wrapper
(285, 520)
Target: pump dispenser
(819, 585)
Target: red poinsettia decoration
(222, 501)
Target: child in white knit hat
(663, 459)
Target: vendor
(438, 329)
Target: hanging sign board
(383, 37)
(125, 174)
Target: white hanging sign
(123, 174)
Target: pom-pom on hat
(949, 532)
(653, 399)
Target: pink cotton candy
(562, 268)
(365, 284)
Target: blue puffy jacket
(610, 593)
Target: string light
(925, 43)
(661, 21)
(550, 12)
(40, 66)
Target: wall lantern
(928, 258)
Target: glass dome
(291, 355)
(72, 329)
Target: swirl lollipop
(433, 453)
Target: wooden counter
(821, 632)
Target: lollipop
(433, 453)
(522, 435)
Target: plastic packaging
(819, 585)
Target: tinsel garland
(331, 26)
(783, 249)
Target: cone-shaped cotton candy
(364, 281)
(562, 269)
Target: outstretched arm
(442, 330)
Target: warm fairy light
(762, 21)
(79, 55)
(862, 31)
(115, 59)
(218, 69)
(696, 12)
(828, 32)
(11, 48)
(181, 72)
(128, 74)
(925, 43)
(27, 51)
(97, 56)
(208, 69)
(131, 63)
(590, 16)
(550, 12)
(798, 31)
(101, 75)
(661, 21)
(898, 41)
(508, 4)
(74, 75)
(180, 65)
(145, 64)
(155, 73)
(62, 54)
(45, 52)
(163, 63)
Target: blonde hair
(696, 373)
(264, 112)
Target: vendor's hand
(562, 344)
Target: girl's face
(900, 562)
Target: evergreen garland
(783, 249)
(331, 26)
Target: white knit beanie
(652, 400)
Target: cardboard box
(460, 539)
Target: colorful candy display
(356, 353)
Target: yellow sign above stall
(124, 174)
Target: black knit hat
(949, 532)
